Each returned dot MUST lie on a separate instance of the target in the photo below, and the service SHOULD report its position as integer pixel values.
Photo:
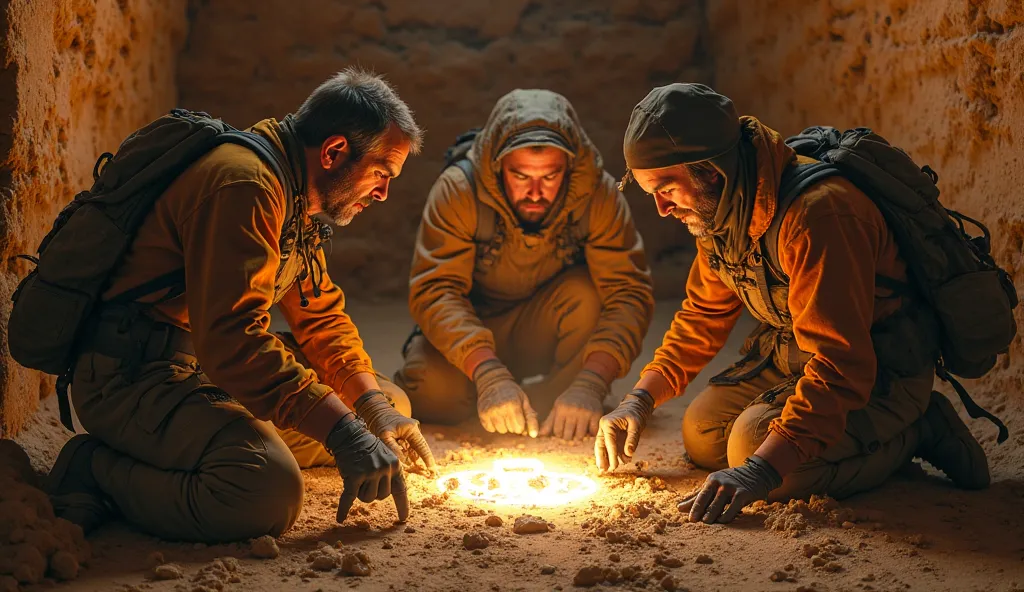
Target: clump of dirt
(494, 521)
(798, 516)
(355, 563)
(325, 558)
(265, 547)
(475, 540)
(216, 575)
(34, 543)
(530, 525)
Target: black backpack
(78, 256)
(951, 271)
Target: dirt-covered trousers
(729, 420)
(182, 459)
(542, 337)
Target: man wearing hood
(538, 318)
(199, 417)
(810, 408)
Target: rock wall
(450, 60)
(944, 79)
(78, 76)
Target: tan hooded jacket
(833, 241)
(222, 220)
(450, 287)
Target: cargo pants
(726, 423)
(542, 338)
(181, 458)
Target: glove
(368, 468)
(391, 426)
(578, 410)
(618, 433)
(502, 405)
(737, 487)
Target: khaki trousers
(183, 460)
(726, 423)
(544, 336)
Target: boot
(949, 446)
(72, 487)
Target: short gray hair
(359, 105)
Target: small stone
(848, 525)
(779, 576)
(530, 525)
(819, 561)
(168, 571)
(494, 521)
(668, 583)
(705, 559)
(809, 550)
(547, 569)
(789, 567)
(645, 538)
(387, 545)
(265, 547)
(832, 567)
(587, 576)
(614, 558)
(409, 530)
(868, 578)
(658, 574)
(362, 524)
(628, 573)
(474, 540)
(155, 558)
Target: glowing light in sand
(518, 482)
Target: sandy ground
(915, 533)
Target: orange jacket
(221, 220)
(832, 242)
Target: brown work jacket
(222, 220)
(454, 279)
(822, 329)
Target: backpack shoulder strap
(796, 180)
(267, 153)
(485, 214)
(175, 280)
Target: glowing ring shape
(518, 482)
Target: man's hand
(736, 487)
(578, 410)
(368, 468)
(391, 427)
(501, 403)
(618, 433)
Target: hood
(524, 109)
(773, 157)
(287, 144)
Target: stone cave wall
(78, 76)
(943, 79)
(450, 60)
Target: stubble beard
(340, 201)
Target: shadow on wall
(450, 60)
